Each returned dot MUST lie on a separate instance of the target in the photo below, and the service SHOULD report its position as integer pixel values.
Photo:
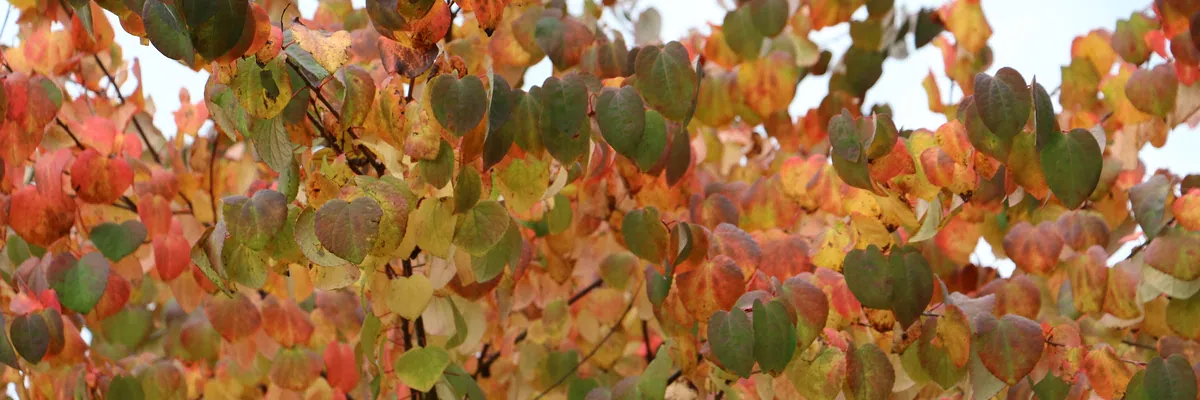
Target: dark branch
(136, 124)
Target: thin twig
(136, 124)
(484, 367)
(69, 133)
(646, 340)
(212, 177)
(1139, 345)
(599, 344)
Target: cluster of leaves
(382, 207)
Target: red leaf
(172, 255)
(341, 369)
(100, 179)
(38, 220)
(286, 323)
(233, 317)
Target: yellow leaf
(329, 49)
(408, 296)
(523, 182)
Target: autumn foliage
(383, 207)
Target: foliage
(383, 207)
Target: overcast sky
(1032, 36)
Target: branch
(212, 177)
(69, 133)
(590, 353)
(646, 340)
(136, 124)
(370, 156)
(485, 365)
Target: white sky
(1032, 36)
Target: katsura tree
(383, 207)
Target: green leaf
(657, 285)
(500, 111)
(1135, 390)
(359, 96)
(1170, 379)
(458, 104)
(742, 33)
(665, 79)
(289, 181)
(271, 143)
(79, 284)
(1072, 165)
(309, 67)
(506, 252)
(226, 111)
(216, 25)
(653, 142)
(1183, 316)
(462, 383)
(30, 337)
(978, 133)
(1003, 102)
(912, 288)
(166, 30)
(310, 245)
(283, 247)
(479, 229)
(264, 91)
(467, 189)
(774, 336)
(125, 387)
(565, 127)
(115, 241)
(653, 382)
(769, 16)
(580, 388)
(1053, 388)
(433, 226)
(1045, 124)
(421, 367)
(348, 229)
(621, 116)
(1010, 346)
(8, 355)
(460, 327)
(206, 254)
(437, 172)
(1149, 201)
(244, 265)
(254, 220)
(525, 125)
(645, 235)
(731, 338)
(869, 373)
(868, 275)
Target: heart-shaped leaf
(645, 235)
(79, 284)
(409, 295)
(869, 373)
(769, 16)
(1149, 200)
(234, 317)
(216, 25)
(506, 252)
(166, 30)
(666, 80)
(868, 275)
(742, 33)
(731, 338)
(1153, 90)
(115, 241)
(912, 287)
(458, 104)
(30, 336)
(348, 229)
(621, 115)
(1003, 102)
(1169, 379)
(565, 127)
(1010, 346)
(310, 245)
(774, 336)
(254, 221)
(264, 91)
(467, 189)
(421, 368)
(482, 227)
(500, 111)
(1072, 164)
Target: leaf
(978, 133)
(1072, 165)
(506, 252)
(821, 378)
(1175, 252)
(731, 338)
(868, 275)
(348, 229)
(125, 387)
(1034, 250)
(271, 143)
(330, 49)
(944, 347)
(467, 189)
(358, 97)
(479, 229)
(420, 368)
(811, 307)
(1129, 38)
(653, 382)
(1003, 102)
(769, 16)
(433, 226)
(310, 245)
(1051, 388)
(264, 91)
(1010, 346)
(774, 336)
(8, 355)
(714, 285)
(1149, 201)
(558, 219)
(409, 295)
(648, 27)
(1171, 379)
(912, 284)
(645, 235)
(211, 21)
(115, 241)
(458, 104)
(79, 284)
(234, 317)
(246, 265)
(167, 31)
(1153, 90)
(930, 222)
(653, 142)
(565, 127)
(463, 383)
(408, 59)
(500, 111)
(869, 373)
(666, 79)
(30, 337)
(437, 172)
(254, 221)
(742, 33)
(679, 157)
(621, 116)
